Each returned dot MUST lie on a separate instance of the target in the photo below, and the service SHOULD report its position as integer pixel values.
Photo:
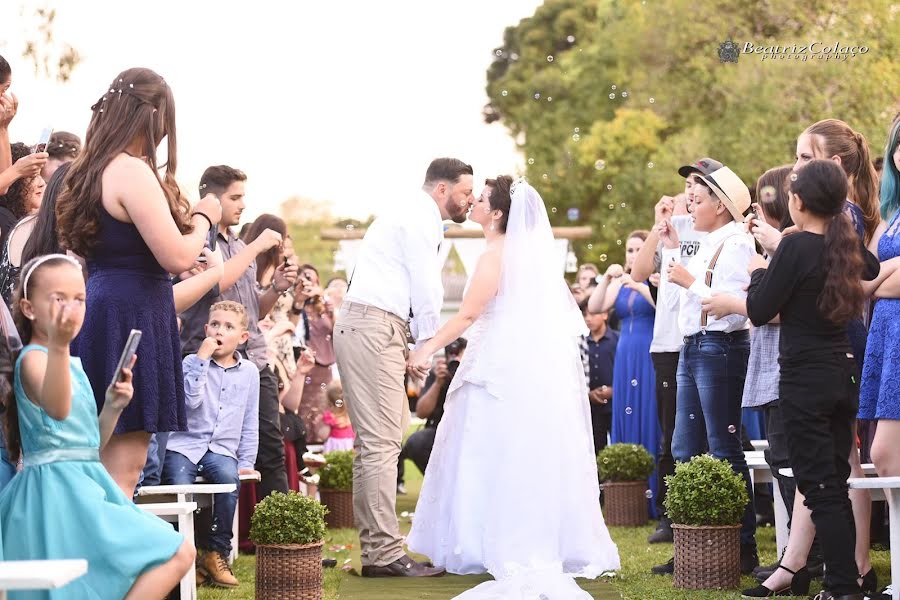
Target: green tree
(608, 97)
(51, 58)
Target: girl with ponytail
(814, 283)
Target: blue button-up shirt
(223, 411)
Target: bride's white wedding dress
(511, 486)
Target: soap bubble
(577, 130)
(650, 165)
(571, 39)
(530, 161)
(504, 93)
(623, 205)
(624, 94)
(767, 194)
(612, 206)
(349, 227)
(665, 384)
(603, 258)
(628, 410)
(576, 137)
(691, 416)
(732, 429)
(308, 380)
(545, 177)
(590, 246)
(649, 494)
(618, 242)
(612, 96)
(613, 87)
(549, 58)
(498, 52)
(537, 95)
(609, 186)
(553, 210)
(600, 164)
(652, 100)
(573, 214)
(634, 383)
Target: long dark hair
(774, 201)
(270, 257)
(822, 188)
(137, 105)
(18, 191)
(44, 239)
(24, 326)
(832, 137)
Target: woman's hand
(210, 206)
(630, 283)
(614, 271)
(767, 236)
(679, 275)
(418, 365)
(307, 361)
(119, 394)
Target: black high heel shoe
(799, 586)
(869, 583)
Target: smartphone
(134, 338)
(41, 146)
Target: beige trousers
(371, 349)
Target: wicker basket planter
(625, 503)
(289, 572)
(707, 557)
(340, 508)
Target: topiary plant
(624, 462)
(290, 518)
(337, 474)
(705, 491)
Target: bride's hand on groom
(418, 364)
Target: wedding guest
(634, 418)
(134, 228)
(341, 435)
(665, 347)
(813, 283)
(598, 350)
(713, 362)
(890, 175)
(62, 148)
(318, 325)
(24, 200)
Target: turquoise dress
(65, 505)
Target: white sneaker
(310, 479)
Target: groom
(395, 289)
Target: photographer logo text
(798, 52)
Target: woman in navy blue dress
(634, 389)
(133, 228)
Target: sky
(343, 102)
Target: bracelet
(208, 220)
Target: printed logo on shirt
(689, 249)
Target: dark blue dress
(634, 419)
(128, 289)
(879, 392)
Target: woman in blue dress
(64, 504)
(634, 393)
(133, 228)
(879, 394)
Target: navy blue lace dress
(879, 392)
(128, 289)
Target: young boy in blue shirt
(222, 393)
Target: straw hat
(729, 188)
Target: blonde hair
(232, 307)
(334, 391)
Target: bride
(511, 486)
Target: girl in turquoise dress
(64, 504)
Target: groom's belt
(368, 309)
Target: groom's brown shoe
(402, 567)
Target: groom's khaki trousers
(371, 349)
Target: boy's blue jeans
(711, 373)
(215, 468)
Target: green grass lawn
(633, 582)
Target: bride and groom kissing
(491, 501)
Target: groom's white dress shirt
(397, 268)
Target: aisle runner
(437, 588)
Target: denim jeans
(215, 468)
(711, 373)
(156, 454)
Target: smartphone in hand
(134, 338)
(41, 146)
